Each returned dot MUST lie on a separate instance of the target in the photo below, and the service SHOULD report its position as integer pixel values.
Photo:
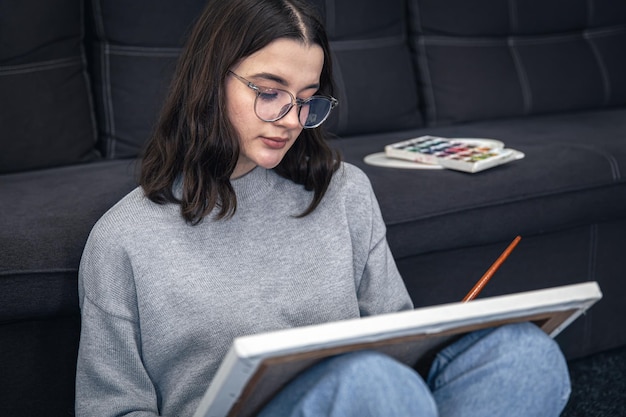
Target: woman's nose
(292, 118)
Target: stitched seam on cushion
(428, 87)
(590, 12)
(498, 40)
(456, 41)
(593, 242)
(606, 31)
(86, 80)
(557, 38)
(613, 164)
(414, 29)
(39, 66)
(97, 17)
(375, 43)
(496, 203)
(419, 28)
(513, 16)
(521, 40)
(331, 17)
(593, 251)
(107, 102)
(592, 34)
(527, 94)
(606, 82)
(36, 271)
(547, 40)
(344, 106)
(144, 51)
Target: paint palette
(462, 154)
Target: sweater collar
(256, 182)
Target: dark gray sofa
(81, 83)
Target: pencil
(492, 270)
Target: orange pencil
(492, 270)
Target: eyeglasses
(272, 104)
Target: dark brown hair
(195, 141)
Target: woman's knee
(369, 364)
(512, 367)
(533, 358)
(383, 380)
(530, 347)
(365, 383)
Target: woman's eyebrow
(281, 81)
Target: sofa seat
(574, 168)
(571, 173)
(43, 202)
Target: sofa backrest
(373, 70)
(137, 43)
(399, 64)
(135, 47)
(484, 59)
(45, 103)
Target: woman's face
(285, 64)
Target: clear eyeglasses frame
(272, 104)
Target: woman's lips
(274, 143)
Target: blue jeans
(513, 370)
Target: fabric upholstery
(39, 367)
(136, 45)
(133, 64)
(567, 175)
(518, 58)
(372, 37)
(45, 111)
(52, 212)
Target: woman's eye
(268, 95)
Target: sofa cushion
(133, 64)
(489, 59)
(373, 71)
(45, 218)
(136, 45)
(39, 367)
(45, 106)
(574, 172)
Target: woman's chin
(269, 163)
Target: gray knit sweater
(161, 300)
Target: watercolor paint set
(462, 154)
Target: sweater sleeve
(380, 288)
(110, 379)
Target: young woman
(246, 221)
